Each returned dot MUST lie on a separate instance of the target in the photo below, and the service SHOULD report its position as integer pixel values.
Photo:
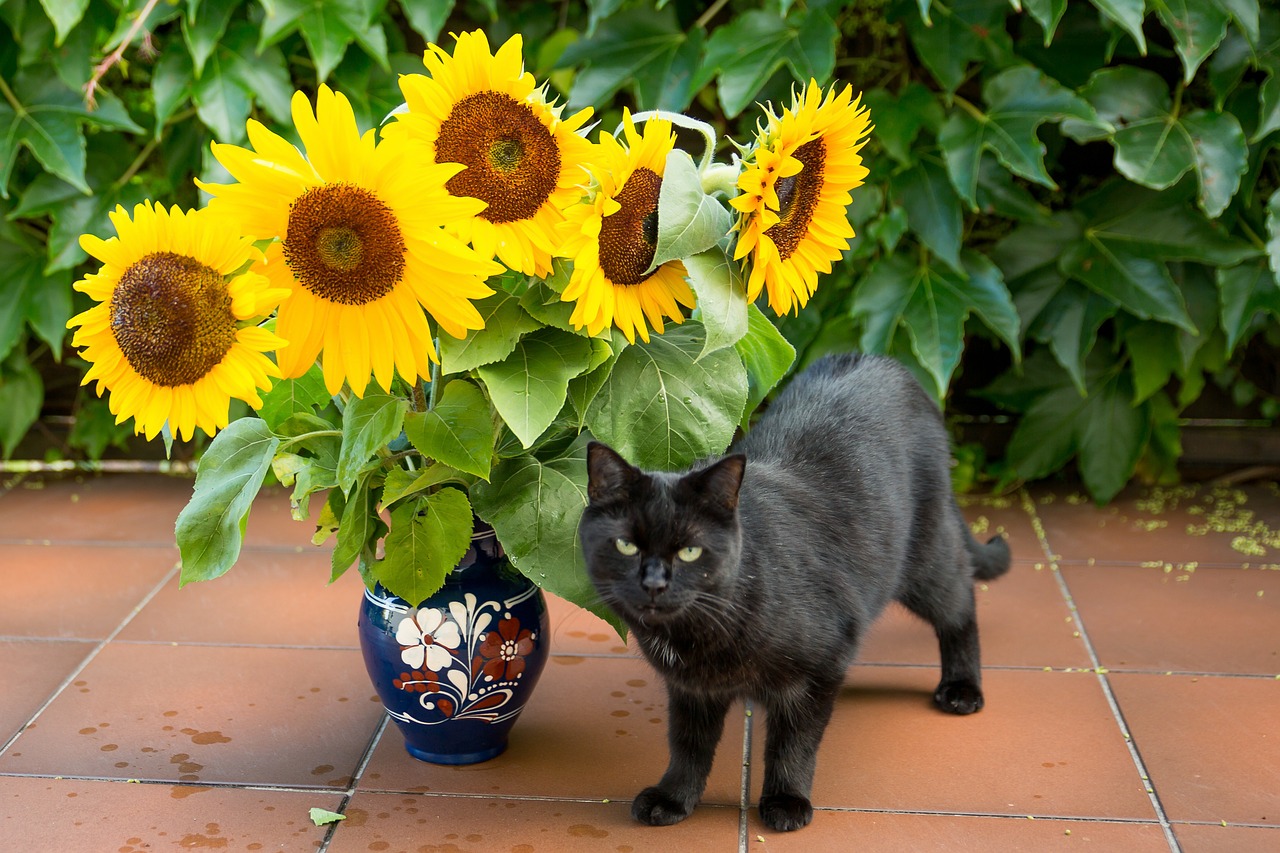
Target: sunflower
(361, 246)
(794, 191)
(611, 238)
(526, 163)
(165, 337)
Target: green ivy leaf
(1221, 157)
(1018, 101)
(639, 47)
(1244, 13)
(1197, 27)
(428, 537)
(210, 529)
(530, 386)
(689, 220)
(1128, 14)
(535, 505)
(1069, 324)
(933, 209)
(900, 117)
(21, 396)
(722, 302)
(203, 32)
(505, 323)
(29, 294)
(427, 17)
(322, 816)
(962, 32)
(1246, 290)
(766, 355)
(368, 423)
(458, 431)
(1048, 14)
(401, 484)
(358, 530)
(746, 52)
(1141, 286)
(666, 404)
(1153, 350)
(64, 14)
(288, 397)
(170, 86)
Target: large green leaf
(1128, 14)
(642, 48)
(1246, 290)
(1141, 286)
(1153, 350)
(722, 302)
(428, 537)
(29, 295)
(901, 116)
(427, 17)
(666, 404)
(1197, 27)
(1069, 324)
(210, 529)
(933, 209)
(288, 397)
(530, 386)
(357, 531)
(1048, 13)
(64, 14)
(689, 220)
(766, 355)
(457, 431)
(21, 396)
(505, 322)
(1018, 101)
(960, 33)
(535, 505)
(746, 52)
(202, 32)
(369, 423)
(328, 27)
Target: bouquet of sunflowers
(431, 318)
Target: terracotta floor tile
(86, 591)
(1211, 620)
(400, 823)
(576, 631)
(869, 832)
(1023, 620)
(1211, 744)
(1187, 524)
(206, 714)
(137, 508)
(31, 671)
(1199, 838)
(595, 729)
(1045, 744)
(268, 597)
(39, 815)
(988, 515)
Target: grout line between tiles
(89, 658)
(361, 766)
(744, 795)
(1100, 673)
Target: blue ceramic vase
(455, 671)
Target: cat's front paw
(657, 808)
(785, 812)
(958, 697)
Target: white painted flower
(427, 637)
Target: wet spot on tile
(109, 747)
(181, 792)
(566, 660)
(586, 830)
(637, 682)
(205, 738)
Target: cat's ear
(719, 484)
(609, 476)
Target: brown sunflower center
(171, 317)
(629, 236)
(344, 244)
(512, 160)
(798, 198)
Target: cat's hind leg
(796, 722)
(694, 725)
(948, 606)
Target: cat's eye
(626, 548)
(689, 553)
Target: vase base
(454, 758)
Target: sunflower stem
(722, 178)
(688, 123)
(289, 442)
(435, 385)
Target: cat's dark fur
(838, 501)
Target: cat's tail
(991, 560)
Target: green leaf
(1069, 324)
(261, 72)
(1197, 27)
(368, 424)
(722, 301)
(458, 431)
(401, 484)
(64, 14)
(529, 387)
(900, 117)
(171, 85)
(933, 209)
(689, 220)
(746, 52)
(1141, 286)
(1018, 100)
(211, 527)
(28, 293)
(1246, 290)
(203, 32)
(766, 355)
(1048, 13)
(290, 396)
(535, 505)
(21, 396)
(358, 530)
(1128, 14)
(961, 33)
(666, 405)
(320, 817)
(427, 17)
(48, 121)
(1221, 157)
(639, 47)
(1153, 349)
(1273, 234)
(1244, 13)
(583, 389)
(427, 539)
(505, 322)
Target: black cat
(757, 575)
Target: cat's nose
(654, 577)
